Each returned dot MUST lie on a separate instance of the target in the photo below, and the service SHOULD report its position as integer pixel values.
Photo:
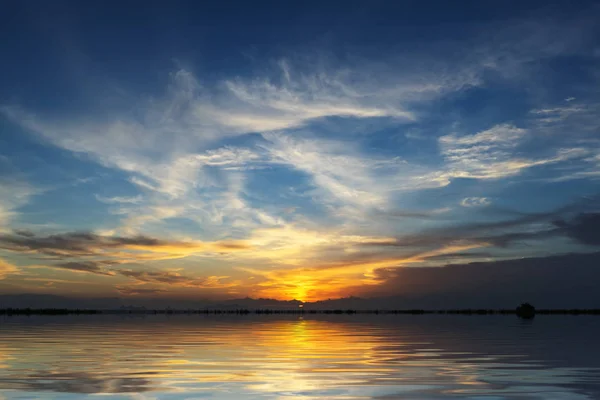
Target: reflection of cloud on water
(141, 396)
(75, 382)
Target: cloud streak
(87, 244)
(142, 276)
(137, 291)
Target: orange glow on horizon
(336, 280)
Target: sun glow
(337, 279)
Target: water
(279, 357)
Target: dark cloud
(136, 241)
(585, 228)
(567, 221)
(24, 232)
(568, 280)
(86, 244)
(157, 276)
(93, 267)
(72, 244)
(232, 246)
(507, 239)
(408, 214)
(171, 278)
(133, 290)
(461, 255)
(106, 268)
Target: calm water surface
(262, 357)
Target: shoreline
(468, 311)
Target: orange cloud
(7, 269)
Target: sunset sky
(306, 150)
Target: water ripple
(192, 357)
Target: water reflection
(349, 357)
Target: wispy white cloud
(475, 202)
(142, 183)
(120, 199)
(189, 117)
(555, 114)
(589, 168)
(13, 195)
(492, 154)
(345, 177)
(166, 145)
(342, 175)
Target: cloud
(551, 115)
(589, 169)
(353, 184)
(7, 269)
(501, 283)
(177, 279)
(143, 276)
(584, 228)
(135, 291)
(342, 176)
(292, 245)
(460, 256)
(573, 220)
(13, 195)
(347, 181)
(189, 115)
(171, 142)
(120, 199)
(204, 187)
(120, 248)
(24, 232)
(84, 266)
(475, 202)
(143, 183)
(438, 213)
(492, 154)
(272, 106)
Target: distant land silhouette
(524, 311)
(13, 305)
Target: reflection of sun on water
(306, 352)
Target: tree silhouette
(526, 310)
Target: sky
(297, 150)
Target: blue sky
(291, 150)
